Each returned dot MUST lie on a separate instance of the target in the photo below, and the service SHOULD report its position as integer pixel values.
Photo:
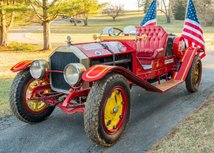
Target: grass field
(96, 24)
(195, 134)
(8, 59)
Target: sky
(128, 4)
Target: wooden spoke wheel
(193, 79)
(34, 106)
(107, 110)
(25, 109)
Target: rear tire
(101, 129)
(18, 101)
(193, 79)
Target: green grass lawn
(82, 33)
(195, 134)
(97, 23)
(8, 59)
(4, 96)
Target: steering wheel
(118, 32)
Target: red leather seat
(154, 46)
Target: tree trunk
(168, 19)
(86, 22)
(46, 26)
(46, 35)
(213, 21)
(114, 18)
(75, 20)
(3, 29)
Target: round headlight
(73, 73)
(38, 69)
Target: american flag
(192, 31)
(150, 18)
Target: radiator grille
(58, 62)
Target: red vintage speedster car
(95, 78)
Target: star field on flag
(151, 16)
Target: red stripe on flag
(193, 40)
(194, 26)
(151, 24)
(195, 34)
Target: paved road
(153, 116)
(20, 35)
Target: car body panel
(21, 65)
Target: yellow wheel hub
(113, 110)
(35, 105)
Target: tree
(83, 9)
(144, 4)
(205, 10)
(114, 11)
(88, 7)
(179, 10)
(166, 10)
(47, 11)
(8, 8)
(139, 5)
(73, 9)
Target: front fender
(97, 72)
(21, 65)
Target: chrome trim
(83, 60)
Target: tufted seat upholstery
(155, 45)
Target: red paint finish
(149, 62)
(96, 72)
(104, 70)
(155, 44)
(187, 60)
(21, 65)
(176, 50)
(38, 93)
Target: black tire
(17, 102)
(95, 103)
(193, 81)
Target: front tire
(19, 104)
(193, 79)
(107, 110)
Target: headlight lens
(38, 69)
(73, 73)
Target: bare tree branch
(37, 13)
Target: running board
(166, 86)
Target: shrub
(21, 46)
(179, 11)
